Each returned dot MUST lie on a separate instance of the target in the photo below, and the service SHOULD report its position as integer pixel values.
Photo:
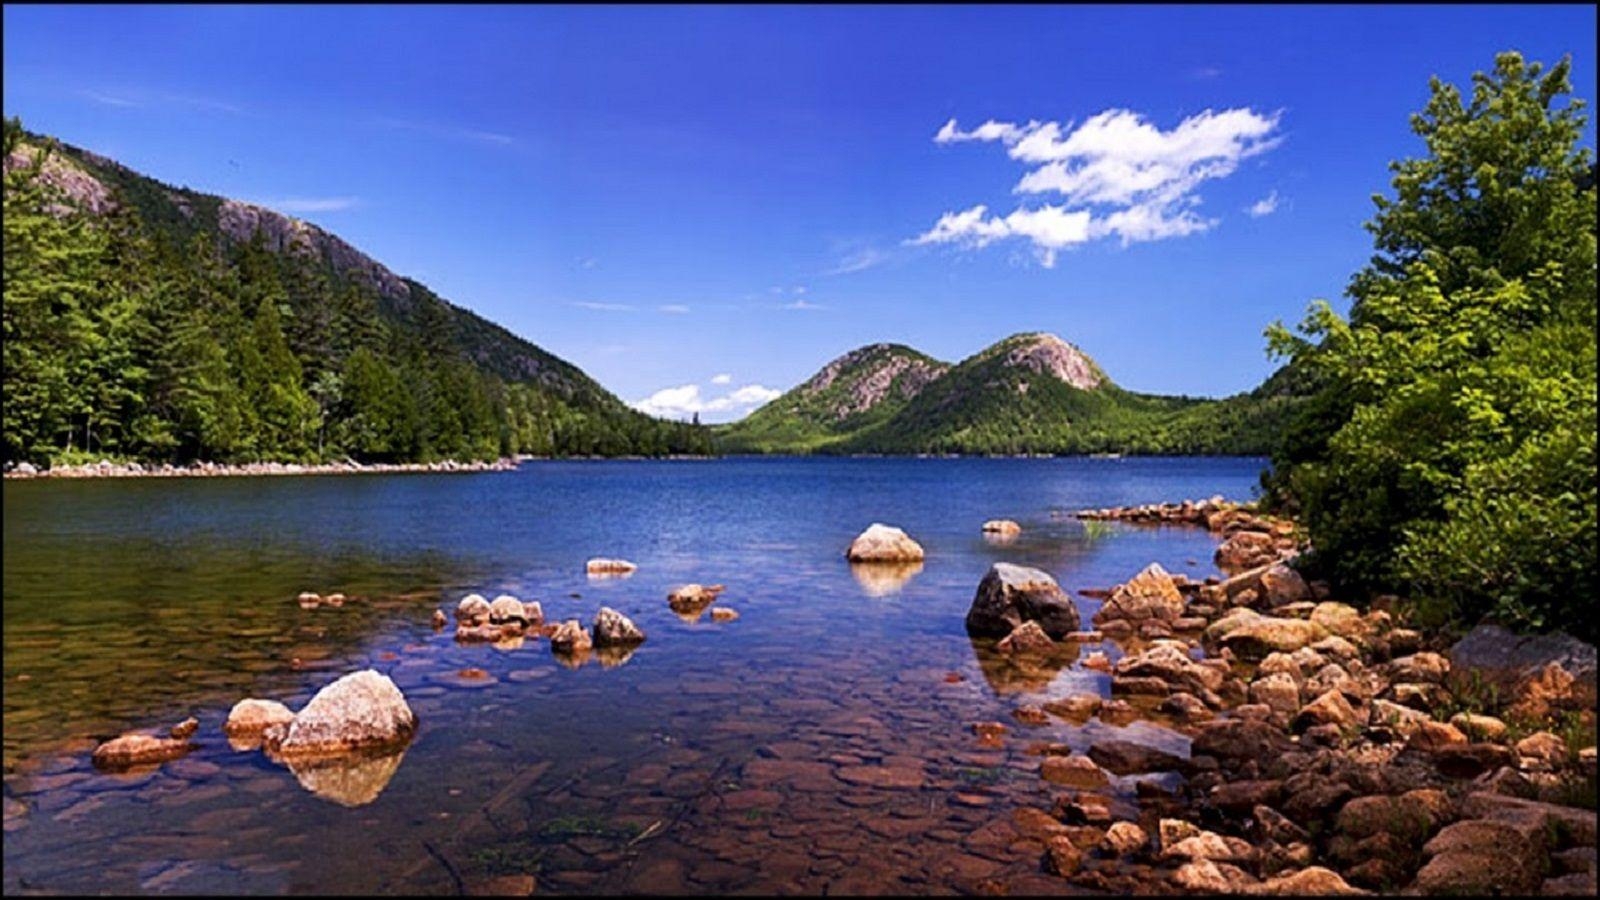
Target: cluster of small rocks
(1326, 754)
(1188, 512)
(108, 469)
(507, 623)
(343, 745)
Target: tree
(1466, 368)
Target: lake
(821, 742)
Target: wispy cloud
(132, 98)
(859, 261)
(450, 132)
(587, 262)
(1205, 73)
(722, 379)
(108, 99)
(1266, 206)
(673, 309)
(310, 204)
(1119, 176)
(803, 304)
(603, 307)
(684, 401)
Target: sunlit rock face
(362, 710)
(884, 544)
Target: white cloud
(685, 401)
(988, 131)
(1118, 174)
(676, 309)
(310, 204)
(803, 304)
(1266, 206)
(722, 379)
(602, 307)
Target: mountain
(853, 393)
(1029, 393)
(294, 345)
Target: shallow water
(814, 745)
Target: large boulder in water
(613, 629)
(884, 543)
(1151, 594)
(362, 710)
(1010, 595)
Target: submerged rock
(613, 629)
(439, 620)
(1001, 527)
(724, 614)
(359, 711)
(1026, 638)
(138, 749)
(884, 543)
(1010, 595)
(1073, 771)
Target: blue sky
(714, 201)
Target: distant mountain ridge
(1028, 393)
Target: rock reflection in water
(350, 781)
(883, 579)
(613, 656)
(1023, 673)
(574, 658)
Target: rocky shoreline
(1309, 747)
(108, 469)
(1332, 750)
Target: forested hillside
(151, 322)
(1029, 393)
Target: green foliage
(1450, 446)
(143, 330)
